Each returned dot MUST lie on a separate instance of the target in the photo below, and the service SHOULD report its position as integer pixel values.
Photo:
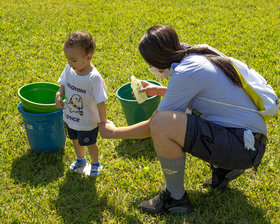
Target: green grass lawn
(38, 188)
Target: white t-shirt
(196, 76)
(82, 94)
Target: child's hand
(106, 129)
(59, 101)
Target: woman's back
(195, 76)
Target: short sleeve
(99, 89)
(187, 80)
(62, 79)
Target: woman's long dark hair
(160, 47)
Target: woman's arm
(136, 131)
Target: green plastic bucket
(134, 112)
(38, 97)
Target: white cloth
(249, 140)
(82, 94)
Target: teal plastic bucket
(134, 112)
(45, 131)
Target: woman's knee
(166, 120)
(159, 121)
(168, 129)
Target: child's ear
(89, 56)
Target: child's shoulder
(67, 68)
(94, 72)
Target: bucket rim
(31, 102)
(20, 109)
(127, 100)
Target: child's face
(78, 59)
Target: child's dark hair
(160, 47)
(80, 39)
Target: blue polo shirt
(195, 76)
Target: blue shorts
(85, 138)
(221, 146)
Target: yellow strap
(250, 91)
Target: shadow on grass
(79, 202)
(137, 148)
(38, 169)
(229, 206)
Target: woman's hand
(152, 89)
(106, 129)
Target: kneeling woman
(213, 132)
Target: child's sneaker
(95, 169)
(78, 163)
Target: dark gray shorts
(85, 138)
(220, 146)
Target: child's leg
(81, 160)
(93, 153)
(80, 153)
(95, 164)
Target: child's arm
(58, 97)
(102, 111)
